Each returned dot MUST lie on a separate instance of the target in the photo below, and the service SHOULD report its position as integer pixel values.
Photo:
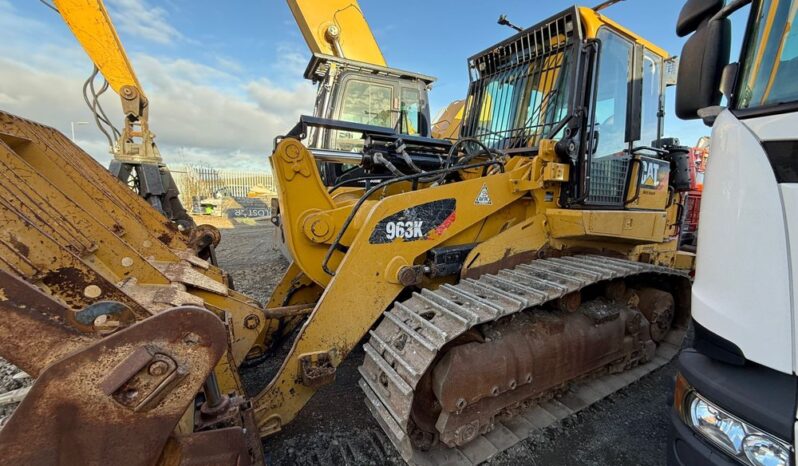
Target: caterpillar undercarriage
(499, 282)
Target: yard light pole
(73, 123)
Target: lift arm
(338, 28)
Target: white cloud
(201, 113)
(139, 18)
(270, 97)
(292, 61)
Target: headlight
(760, 449)
(749, 445)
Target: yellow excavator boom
(137, 160)
(338, 28)
(89, 22)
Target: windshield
(770, 66)
(519, 107)
(376, 103)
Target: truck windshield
(770, 66)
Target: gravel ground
(7, 383)
(628, 428)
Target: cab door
(627, 112)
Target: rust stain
(165, 238)
(21, 247)
(506, 262)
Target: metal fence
(197, 182)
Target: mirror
(703, 59)
(694, 13)
(729, 79)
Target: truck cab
(736, 389)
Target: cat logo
(483, 198)
(650, 174)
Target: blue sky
(225, 77)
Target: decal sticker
(483, 198)
(407, 230)
(653, 173)
(421, 222)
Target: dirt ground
(627, 428)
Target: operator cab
(362, 93)
(594, 86)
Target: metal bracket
(317, 370)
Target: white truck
(736, 390)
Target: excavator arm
(337, 28)
(137, 160)
(92, 26)
(89, 22)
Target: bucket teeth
(405, 344)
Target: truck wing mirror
(694, 13)
(704, 56)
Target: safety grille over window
(520, 90)
(608, 177)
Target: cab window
(410, 111)
(368, 103)
(771, 65)
(362, 102)
(612, 93)
(652, 86)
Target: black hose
(452, 150)
(100, 118)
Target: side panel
(742, 287)
(789, 195)
(782, 128)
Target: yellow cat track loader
(497, 283)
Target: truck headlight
(746, 443)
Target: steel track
(430, 319)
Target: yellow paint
(592, 21)
(361, 283)
(684, 260)
(450, 121)
(356, 40)
(92, 26)
(599, 224)
(651, 192)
